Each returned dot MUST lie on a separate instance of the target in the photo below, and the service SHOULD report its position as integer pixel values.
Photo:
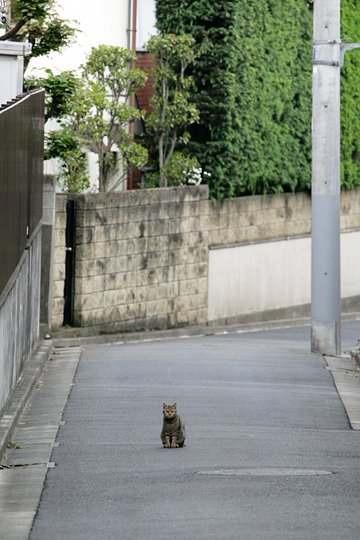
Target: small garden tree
(98, 115)
(63, 144)
(59, 91)
(172, 108)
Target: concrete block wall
(142, 256)
(58, 262)
(350, 210)
(48, 224)
(141, 259)
(259, 218)
(245, 220)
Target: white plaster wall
(145, 22)
(104, 22)
(350, 264)
(272, 275)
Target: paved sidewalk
(25, 463)
(270, 452)
(22, 392)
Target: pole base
(326, 337)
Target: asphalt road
(264, 427)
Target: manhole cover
(265, 472)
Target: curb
(81, 337)
(22, 391)
(61, 341)
(345, 373)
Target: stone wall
(245, 220)
(58, 262)
(47, 241)
(142, 256)
(140, 259)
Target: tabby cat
(173, 431)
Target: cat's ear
(174, 405)
(164, 405)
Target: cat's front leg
(174, 443)
(166, 442)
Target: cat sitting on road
(173, 431)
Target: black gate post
(69, 264)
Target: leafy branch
(172, 108)
(38, 22)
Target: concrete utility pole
(325, 271)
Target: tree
(39, 23)
(172, 108)
(64, 145)
(98, 113)
(59, 91)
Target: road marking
(265, 472)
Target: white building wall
(273, 275)
(108, 22)
(145, 23)
(103, 22)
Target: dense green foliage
(64, 145)
(350, 98)
(253, 90)
(59, 90)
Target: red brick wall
(144, 61)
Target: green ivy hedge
(253, 89)
(350, 97)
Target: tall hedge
(214, 26)
(253, 89)
(350, 98)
